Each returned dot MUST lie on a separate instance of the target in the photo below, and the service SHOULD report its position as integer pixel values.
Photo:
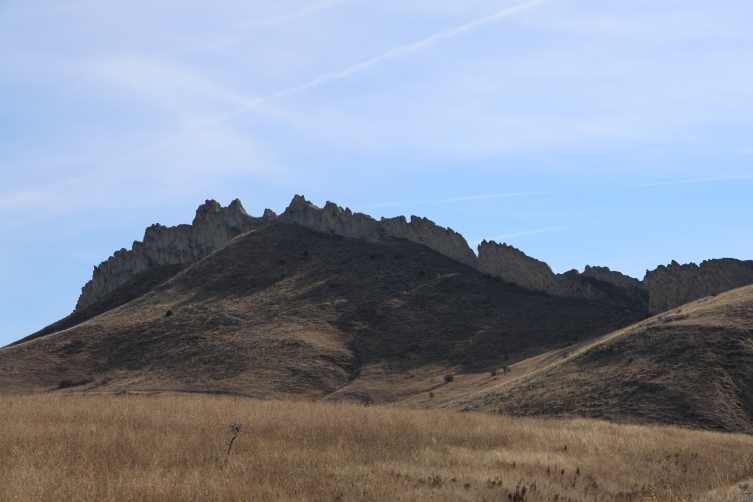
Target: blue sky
(582, 132)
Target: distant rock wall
(597, 284)
(335, 220)
(212, 227)
(215, 225)
(676, 284)
(332, 219)
(661, 289)
(445, 241)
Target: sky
(582, 132)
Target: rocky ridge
(676, 284)
(211, 229)
(214, 225)
(597, 284)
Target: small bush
(506, 369)
(630, 360)
(494, 372)
(306, 253)
(373, 256)
(421, 273)
(64, 384)
(68, 382)
(431, 395)
(168, 313)
(449, 377)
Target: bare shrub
(449, 377)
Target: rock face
(676, 284)
(424, 231)
(597, 284)
(212, 227)
(662, 289)
(332, 219)
(215, 225)
(335, 220)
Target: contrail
(529, 232)
(408, 48)
(249, 104)
(519, 194)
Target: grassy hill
(284, 312)
(689, 366)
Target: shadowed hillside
(689, 366)
(284, 311)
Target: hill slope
(689, 366)
(283, 311)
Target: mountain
(329, 304)
(662, 289)
(283, 310)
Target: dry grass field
(61, 447)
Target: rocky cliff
(597, 284)
(215, 225)
(335, 220)
(661, 289)
(212, 227)
(676, 284)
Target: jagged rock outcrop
(335, 220)
(597, 284)
(676, 284)
(212, 227)
(514, 266)
(215, 225)
(424, 231)
(332, 219)
(662, 289)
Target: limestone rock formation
(612, 276)
(212, 227)
(676, 284)
(597, 284)
(215, 225)
(662, 289)
(514, 266)
(424, 231)
(333, 219)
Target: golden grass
(173, 447)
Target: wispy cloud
(298, 14)
(556, 192)
(224, 40)
(393, 53)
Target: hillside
(690, 366)
(285, 311)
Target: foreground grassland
(174, 447)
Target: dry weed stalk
(236, 428)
